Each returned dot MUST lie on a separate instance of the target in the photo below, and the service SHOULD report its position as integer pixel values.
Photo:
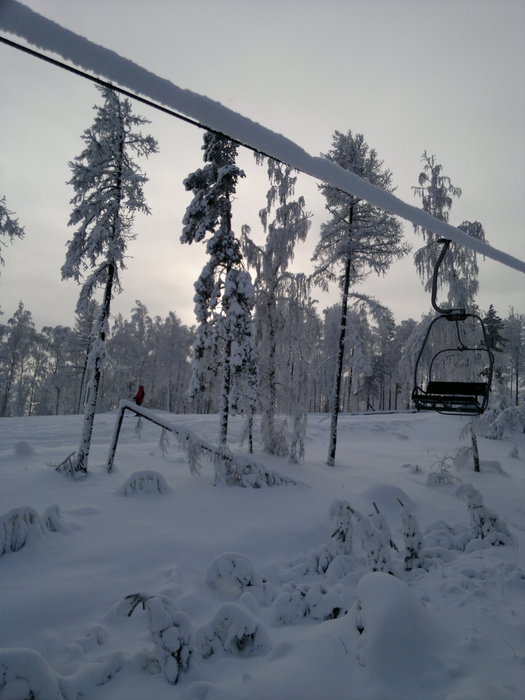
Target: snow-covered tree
(515, 348)
(15, 352)
(9, 226)
(358, 238)
(109, 192)
(224, 292)
(290, 224)
(458, 271)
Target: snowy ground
(254, 626)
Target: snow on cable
(39, 31)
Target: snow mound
(232, 631)
(24, 449)
(144, 482)
(400, 641)
(24, 673)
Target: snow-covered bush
(313, 563)
(170, 630)
(19, 525)
(26, 675)
(341, 516)
(484, 524)
(374, 544)
(315, 601)
(144, 482)
(231, 631)
(413, 540)
(233, 574)
(440, 474)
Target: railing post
(114, 439)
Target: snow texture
(49, 36)
(248, 594)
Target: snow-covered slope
(243, 593)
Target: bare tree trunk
(225, 397)
(475, 452)
(336, 392)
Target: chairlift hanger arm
(458, 314)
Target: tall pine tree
(357, 239)
(109, 192)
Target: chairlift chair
(459, 349)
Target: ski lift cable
(127, 93)
(91, 60)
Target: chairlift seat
(457, 388)
(452, 397)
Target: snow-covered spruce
(144, 482)
(170, 630)
(233, 574)
(20, 525)
(223, 293)
(484, 524)
(232, 631)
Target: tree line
(260, 346)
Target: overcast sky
(411, 75)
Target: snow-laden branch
(19, 20)
(232, 470)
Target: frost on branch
(20, 525)
(232, 631)
(484, 524)
(234, 574)
(26, 675)
(144, 482)
(170, 630)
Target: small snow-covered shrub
(374, 544)
(341, 516)
(314, 563)
(514, 453)
(231, 631)
(144, 482)
(20, 525)
(26, 675)
(315, 601)
(413, 540)
(233, 574)
(170, 630)
(484, 524)
(440, 474)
